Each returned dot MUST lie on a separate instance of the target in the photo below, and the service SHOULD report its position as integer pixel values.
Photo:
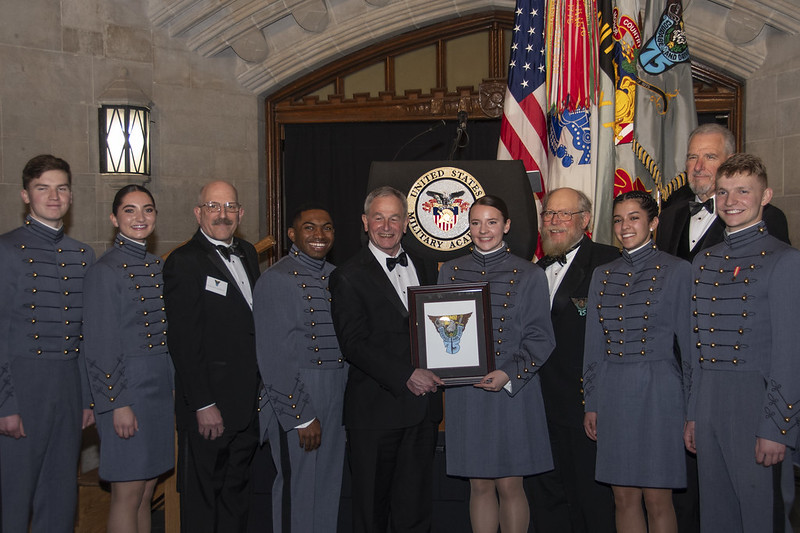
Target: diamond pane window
(124, 139)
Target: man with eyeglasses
(568, 499)
(208, 292)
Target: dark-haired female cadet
(130, 372)
(496, 430)
(638, 306)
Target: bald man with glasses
(208, 292)
(568, 499)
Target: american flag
(523, 133)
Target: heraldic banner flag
(620, 40)
(606, 113)
(665, 113)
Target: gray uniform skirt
(150, 452)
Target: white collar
(215, 241)
(380, 254)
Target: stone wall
(56, 59)
(772, 122)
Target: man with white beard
(568, 499)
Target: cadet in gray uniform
(130, 370)
(745, 379)
(499, 434)
(44, 397)
(638, 310)
(304, 378)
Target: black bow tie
(233, 249)
(561, 259)
(392, 262)
(548, 260)
(696, 207)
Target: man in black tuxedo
(391, 409)
(568, 499)
(690, 223)
(208, 295)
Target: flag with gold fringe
(573, 89)
(606, 153)
(665, 112)
(627, 39)
(599, 101)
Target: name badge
(216, 286)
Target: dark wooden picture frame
(451, 331)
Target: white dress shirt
(556, 272)
(401, 277)
(236, 268)
(699, 223)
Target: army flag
(573, 88)
(606, 159)
(665, 113)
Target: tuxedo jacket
(561, 375)
(211, 334)
(372, 326)
(672, 235)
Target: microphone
(434, 126)
(461, 132)
(462, 121)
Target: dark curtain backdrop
(329, 163)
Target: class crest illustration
(450, 329)
(667, 47)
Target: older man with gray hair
(690, 222)
(568, 499)
(391, 409)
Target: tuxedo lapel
(381, 281)
(714, 234)
(679, 239)
(219, 263)
(572, 279)
(250, 263)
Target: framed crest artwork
(451, 331)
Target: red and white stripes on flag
(523, 133)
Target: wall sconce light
(124, 128)
(124, 139)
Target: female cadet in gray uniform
(638, 304)
(129, 367)
(499, 434)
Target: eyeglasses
(564, 216)
(216, 207)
